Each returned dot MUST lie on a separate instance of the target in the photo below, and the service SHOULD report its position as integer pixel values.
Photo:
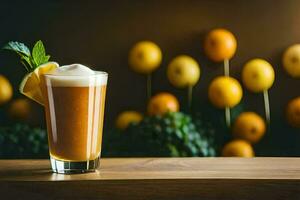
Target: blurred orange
(145, 57)
(249, 126)
(125, 118)
(20, 109)
(220, 44)
(293, 112)
(162, 103)
(238, 148)
(225, 92)
(258, 75)
(183, 71)
(291, 60)
(6, 90)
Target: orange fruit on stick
(183, 71)
(225, 92)
(162, 103)
(293, 112)
(249, 126)
(145, 57)
(291, 61)
(238, 148)
(220, 45)
(258, 75)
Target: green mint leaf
(39, 54)
(28, 63)
(29, 60)
(23, 51)
(47, 58)
(18, 47)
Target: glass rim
(97, 73)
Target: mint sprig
(30, 60)
(18, 47)
(39, 53)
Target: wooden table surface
(156, 178)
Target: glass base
(73, 167)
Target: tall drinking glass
(74, 108)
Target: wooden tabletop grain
(156, 178)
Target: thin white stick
(190, 97)
(267, 106)
(226, 67)
(227, 109)
(149, 86)
(227, 117)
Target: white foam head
(75, 75)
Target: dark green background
(100, 34)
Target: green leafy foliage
(174, 134)
(22, 141)
(18, 47)
(39, 53)
(216, 118)
(29, 60)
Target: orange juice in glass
(74, 99)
